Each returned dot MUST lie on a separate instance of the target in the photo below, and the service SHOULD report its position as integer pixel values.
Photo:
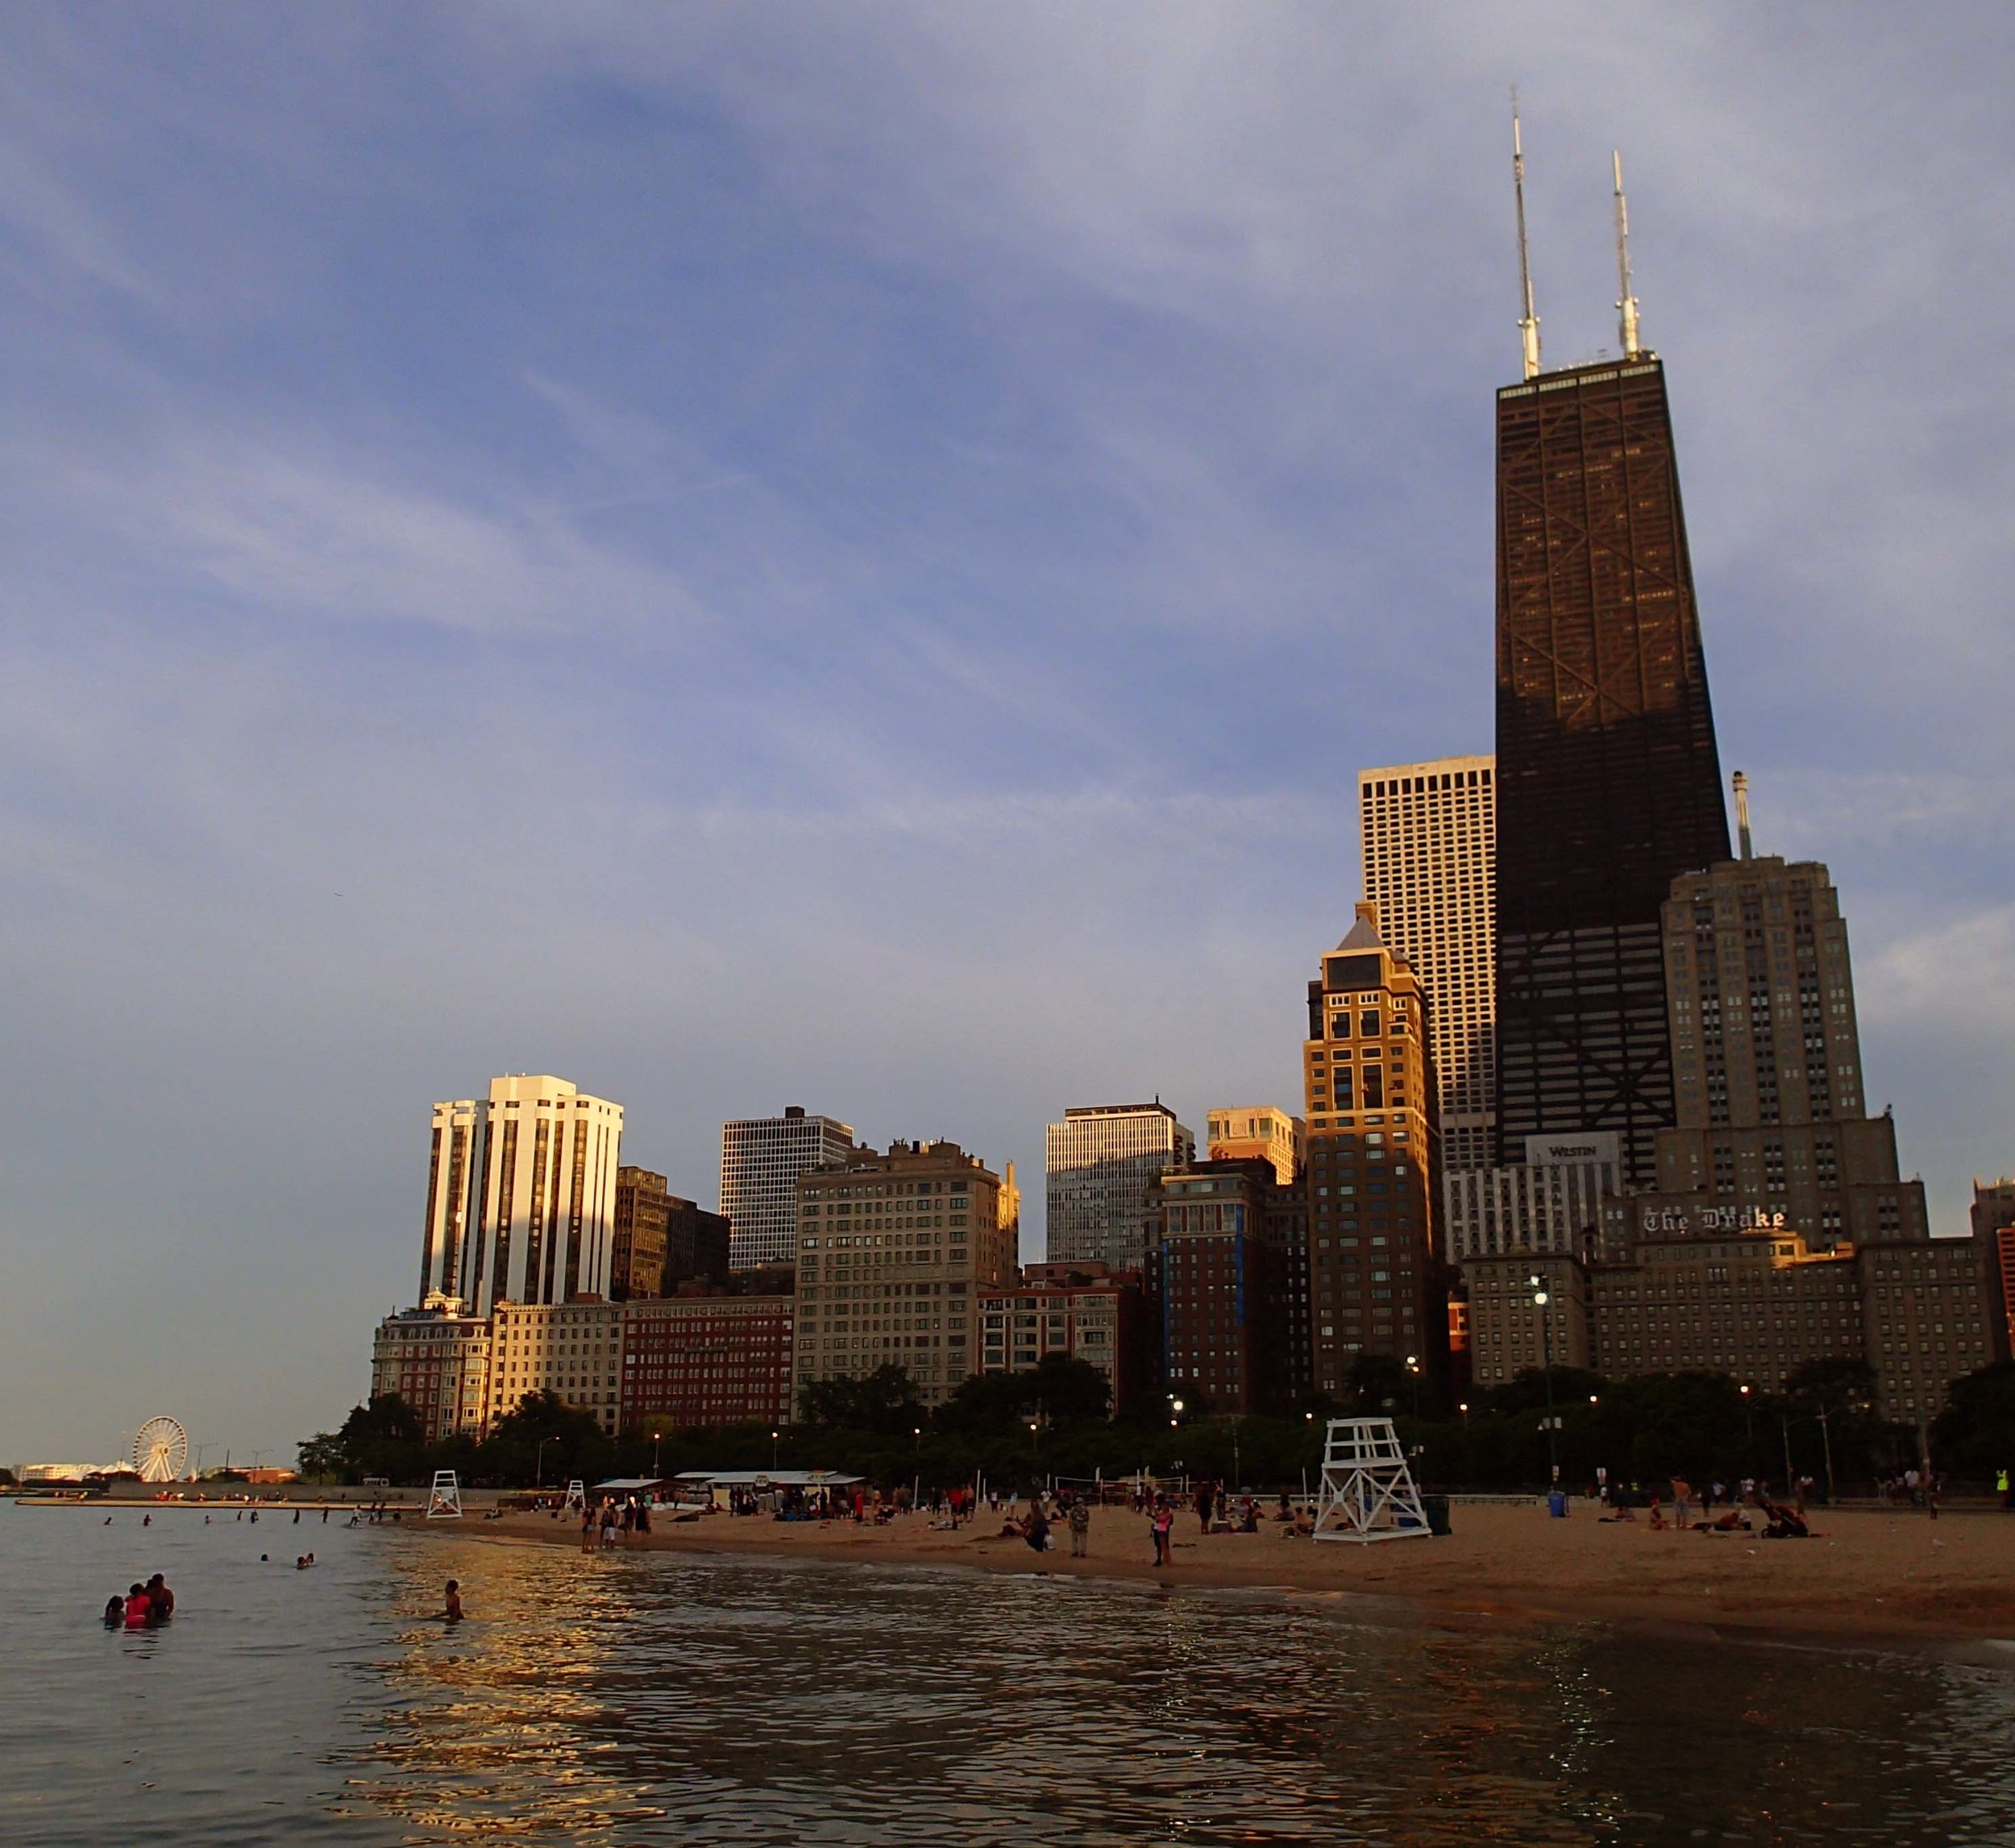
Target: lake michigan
(676, 1698)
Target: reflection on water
(635, 1700)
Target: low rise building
(573, 1350)
(1087, 1311)
(438, 1360)
(706, 1357)
(894, 1252)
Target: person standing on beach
(1682, 1502)
(1162, 1527)
(1080, 1525)
(587, 1528)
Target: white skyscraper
(521, 1195)
(761, 1160)
(1101, 1161)
(1429, 833)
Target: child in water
(453, 1613)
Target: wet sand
(1865, 1572)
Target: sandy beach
(1865, 1572)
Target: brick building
(704, 1357)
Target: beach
(1865, 1572)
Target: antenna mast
(1627, 306)
(1742, 813)
(1529, 327)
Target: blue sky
(850, 556)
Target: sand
(1867, 1572)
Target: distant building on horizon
(1261, 1132)
(1101, 1164)
(761, 1160)
(1429, 832)
(521, 1195)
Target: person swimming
(114, 1611)
(137, 1610)
(160, 1601)
(453, 1612)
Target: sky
(850, 556)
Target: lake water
(639, 1699)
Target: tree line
(1056, 1420)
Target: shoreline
(1889, 1576)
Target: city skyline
(838, 545)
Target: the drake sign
(1715, 1219)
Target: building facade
(1553, 1202)
(1510, 1330)
(663, 1241)
(1102, 1161)
(1609, 783)
(761, 1160)
(521, 1195)
(893, 1252)
(1221, 1280)
(1088, 1312)
(1994, 1224)
(1375, 1283)
(705, 1358)
(1257, 1132)
(573, 1350)
(439, 1362)
(1430, 839)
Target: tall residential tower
(1429, 833)
(761, 1160)
(1102, 1162)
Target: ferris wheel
(161, 1450)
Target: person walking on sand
(1080, 1525)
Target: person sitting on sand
(1036, 1532)
(1658, 1520)
(1304, 1522)
(452, 1613)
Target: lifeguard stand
(576, 1496)
(1367, 1490)
(444, 1500)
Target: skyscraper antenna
(1627, 304)
(1740, 782)
(1529, 327)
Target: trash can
(1556, 1504)
(1435, 1508)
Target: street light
(1464, 1408)
(657, 1438)
(538, 1467)
(916, 1431)
(773, 1453)
(1413, 1366)
(1540, 1300)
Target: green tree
(543, 1437)
(884, 1401)
(1975, 1435)
(323, 1456)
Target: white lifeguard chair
(1367, 1491)
(444, 1499)
(576, 1496)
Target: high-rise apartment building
(1768, 1060)
(1994, 1225)
(1224, 1283)
(661, 1240)
(1608, 785)
(894, 1252)
(1257, 1132)
(761, 1160)
(1429, 833)
(521, 1195)
(1376, 1284)
(1103, 1163)
(1552, 1201)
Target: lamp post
(916, 1431)
(1464, 1408)
(1540, 1300)
(773, 1453)
(1413, 1367)
(538, 1467)
(657, 1439)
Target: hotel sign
(1716, 1219)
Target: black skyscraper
(1608, 779)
